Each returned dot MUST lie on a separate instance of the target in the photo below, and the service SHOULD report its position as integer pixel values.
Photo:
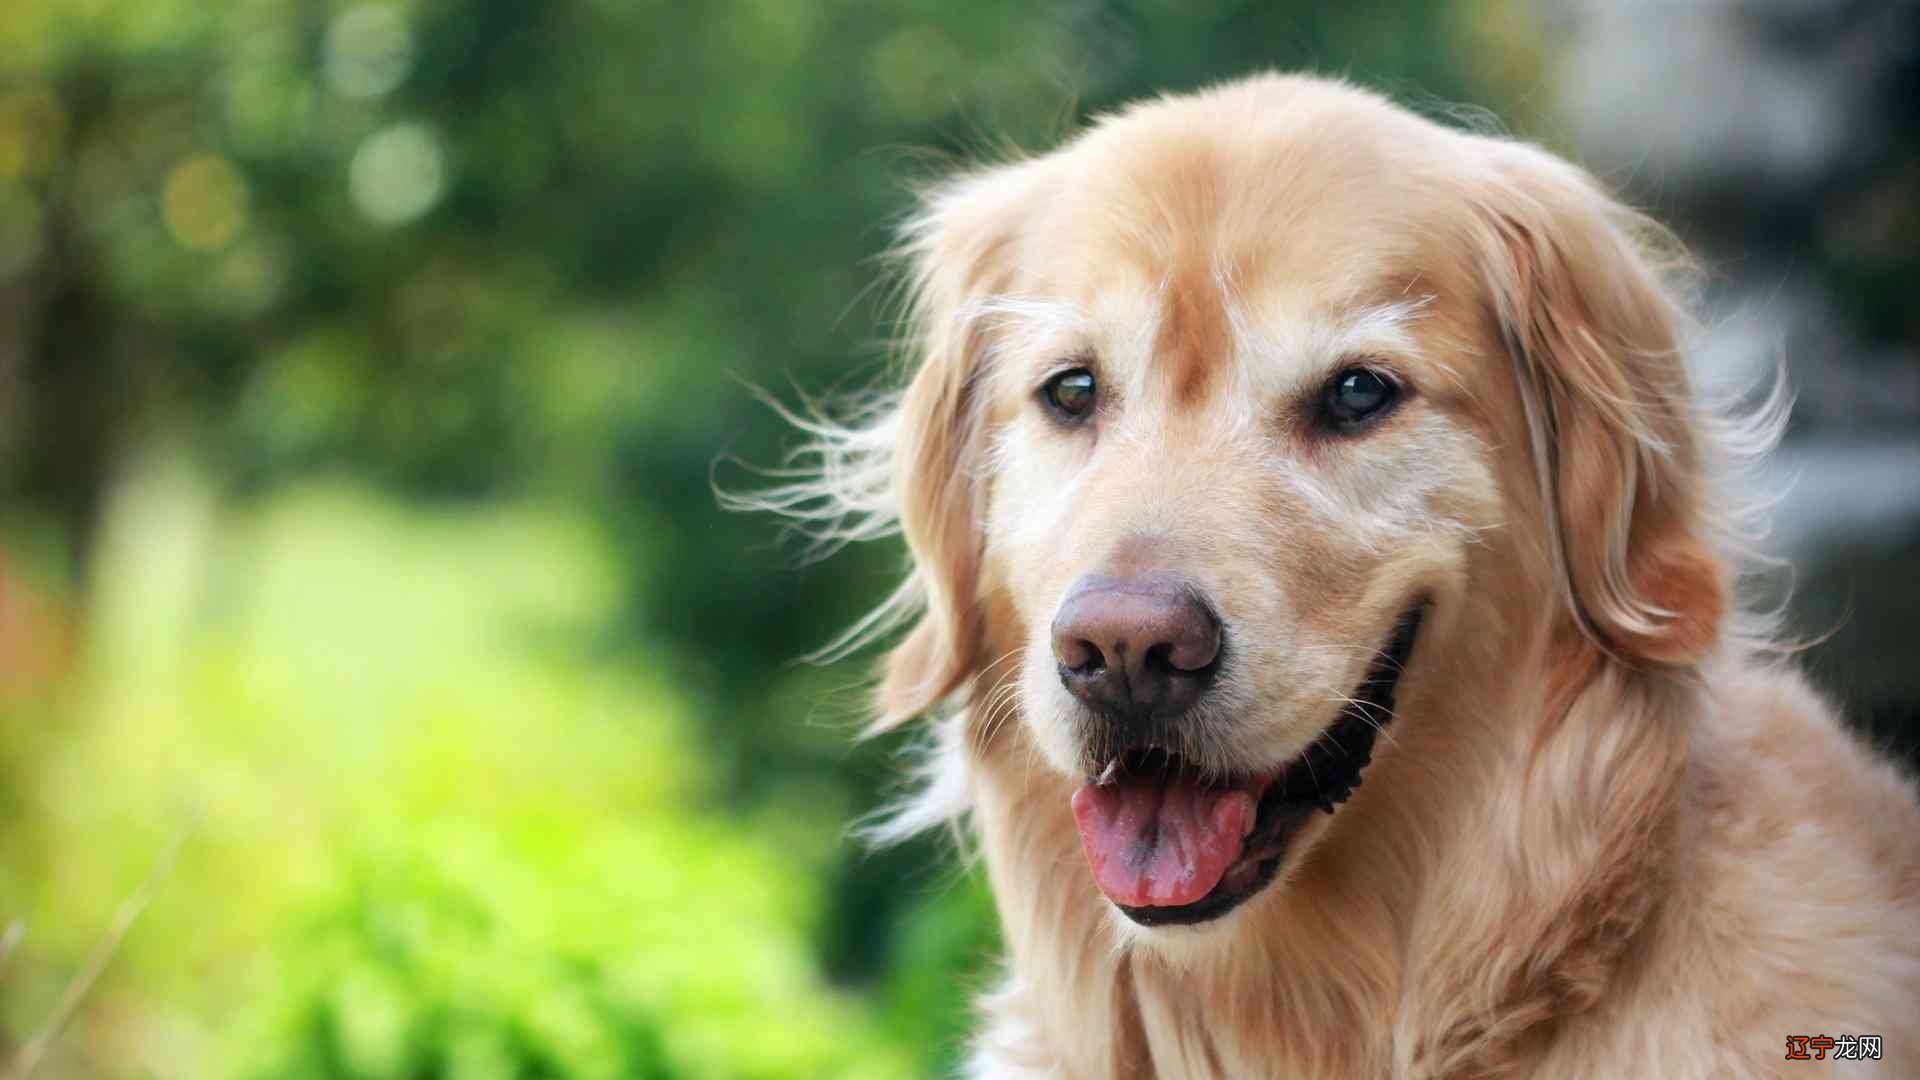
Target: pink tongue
(1162, 842)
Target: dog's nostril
(1159, 660)
(1095, 662)
(1077, 654)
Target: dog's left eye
(1356, 395)
(1070, 394)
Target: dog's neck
(1486, 849)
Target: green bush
(442, 830)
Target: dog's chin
(1170, 846)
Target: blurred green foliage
(439, 830)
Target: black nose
(1135, 648)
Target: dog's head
(1234, 418)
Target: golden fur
(1604, 836)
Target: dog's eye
(1070, 393)
(1356, 395)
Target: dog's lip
(1290, 794)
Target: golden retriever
(1271, 439)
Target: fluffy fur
(1607, 834)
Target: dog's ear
(956, 249)
(1595, 333)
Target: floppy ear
(1595, 336)
(956, 248)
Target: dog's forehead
(1183, 326)
(1186, 251)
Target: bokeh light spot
(251, 277)
(397, 174)
(204, 203)
(369, 51)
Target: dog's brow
(1383, 327)
(1039, 317)
(1308, 341)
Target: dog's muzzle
(1170, 844)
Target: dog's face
(1228, 408)
(1234, 461)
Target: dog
(1325, 609)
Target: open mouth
(1170, 846)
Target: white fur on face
(1276, 523)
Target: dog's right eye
(1357, 396)
(1070, 394)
